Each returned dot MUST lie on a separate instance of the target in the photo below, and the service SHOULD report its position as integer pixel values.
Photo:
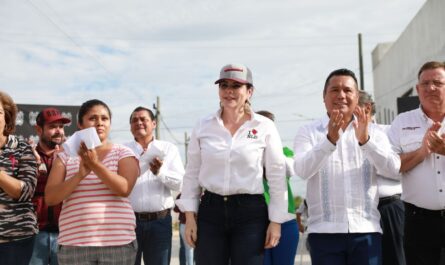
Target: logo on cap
(49, 115)
(233, 69)
(235, 72)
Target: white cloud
(128, 52)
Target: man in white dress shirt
(151, 197)
(339, 156)
(418, 136)
(390, 205)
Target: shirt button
(440, 190)
(437, 157)
(438, 172)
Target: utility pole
(186, 144)
(158, 118)
(360, 61)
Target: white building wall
(395, 65)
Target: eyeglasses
(435, 83)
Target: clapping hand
(361, 125)
(435, 142)
(336, 122)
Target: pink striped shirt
(93, 215)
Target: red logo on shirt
(252, 134)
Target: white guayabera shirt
(341, 179)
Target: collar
(41, 152)
(425, 117)
(139, 147)
(217, 115)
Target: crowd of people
(375, 193)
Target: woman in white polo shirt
(228, 150)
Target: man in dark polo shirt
(50, 129)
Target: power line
(168, 130)
(91, 56)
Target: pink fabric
(93, 215)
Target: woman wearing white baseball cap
(227, 154)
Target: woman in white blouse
(227, 154)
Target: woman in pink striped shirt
(97, 222)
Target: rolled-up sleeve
(172, 172)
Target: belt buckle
(442, 213)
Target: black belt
(388, 199)
(425, 212)
(153, 215)
(235, 197)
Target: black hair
(87, 105)
(140, 108)
(266, 114)
(340, 72)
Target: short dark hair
(11, 110)
(87, 105)
(430, 65)
(140, 108)
(266, 114)
(340, 72)
(366, 98)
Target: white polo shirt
(423, 185)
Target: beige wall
(395, 65)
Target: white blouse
(228, 165)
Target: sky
(128, 53)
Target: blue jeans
(284, 253)
(45, 249)
(346, 248)
(154, 241)
(188, 250)
(16, 252)
(231, 229)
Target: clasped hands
(433, 142)
(336, 122)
